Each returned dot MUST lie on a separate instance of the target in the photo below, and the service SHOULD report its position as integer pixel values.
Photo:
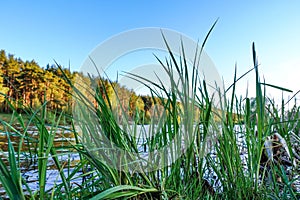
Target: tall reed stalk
(204, 159)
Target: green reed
(112, 166)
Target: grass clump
(192, 150)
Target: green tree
(30, 86)
(3, 89)
(11, 70)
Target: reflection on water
(64, 138)
(63, 141)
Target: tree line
(26, 84)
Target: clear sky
(69, 30)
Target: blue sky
(70, 30)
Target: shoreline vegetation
(27, 86)
(110, 164)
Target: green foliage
(109, 121)
(3, 89)
(26, 84)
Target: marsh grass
(111, 164)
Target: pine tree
(3, 89)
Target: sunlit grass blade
(277, 87)
(10, 176)
(123, 191)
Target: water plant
(213, 152)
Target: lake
(62, 141)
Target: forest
(28, 85)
